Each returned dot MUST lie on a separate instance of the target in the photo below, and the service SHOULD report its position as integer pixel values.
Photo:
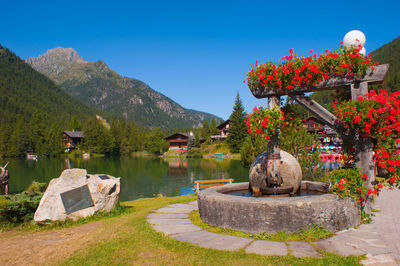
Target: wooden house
(71, 139)
(179, 140)
(223, 131)
(313, 125)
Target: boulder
(76, 194)
(289, 169)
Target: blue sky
(195, 52)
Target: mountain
(390, 54)
(23, 90)
(99, 86)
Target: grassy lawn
(129, 239)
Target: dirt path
(47, 247)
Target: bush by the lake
(194, 153)
(20, 208)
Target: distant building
(223, 131)
(326, 134)
(179, 140)
(72, 139)
(313, 125)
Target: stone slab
(182, 205)
(382, 259)
(194, 203)
(168, 215)
(303, 249)
(264, 247)
(168, 221)
(196, 237)
(167, 209)
(170, 229)
(369, 243)
(339, 246)
(226, 242)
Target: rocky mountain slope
(99, 86)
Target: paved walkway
(379, 240)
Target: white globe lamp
(363, 51)
(354, 38)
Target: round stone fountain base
(218, 207)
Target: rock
(76, 194)
(289, 169)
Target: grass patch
(313, 233)
(31, 226)
(136, 242)
(127, 239)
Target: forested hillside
(33, 110)
(24, 90)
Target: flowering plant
(348, 183)
(377, 115)
(308, 71)
(265, 122)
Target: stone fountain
(280, 200)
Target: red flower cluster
(307, 71)
(377, 115)
(265, 122)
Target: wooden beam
(320, 112)
(371, 77)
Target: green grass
(313, 233)
(30, 226)
(134, 241)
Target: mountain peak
(55, 61)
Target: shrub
(21, 207)
(194, 153)
(348, 183)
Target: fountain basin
(272, 214)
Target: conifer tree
(237, 130)
(213, 127)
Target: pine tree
(213, 130)
(205, 132)
(19, 140)
(75, 124)
(237, 130)
(37, 132)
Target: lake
(140, 176)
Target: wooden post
(273, 149)
(363, 146)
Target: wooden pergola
(359, 87)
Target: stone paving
(379, 240)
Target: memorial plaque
(104, 177)
(76, 199)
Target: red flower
(392, 180)
(365, 176)
(380, 186)
(341, 187)
(370, 191)
(267, 137)
(291, 51)
(360, 98)
(357, 119)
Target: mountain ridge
(99, 86)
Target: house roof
(315, 120)
(224, 124)
(175, 135)
(74, 134)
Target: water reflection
(141, 176)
